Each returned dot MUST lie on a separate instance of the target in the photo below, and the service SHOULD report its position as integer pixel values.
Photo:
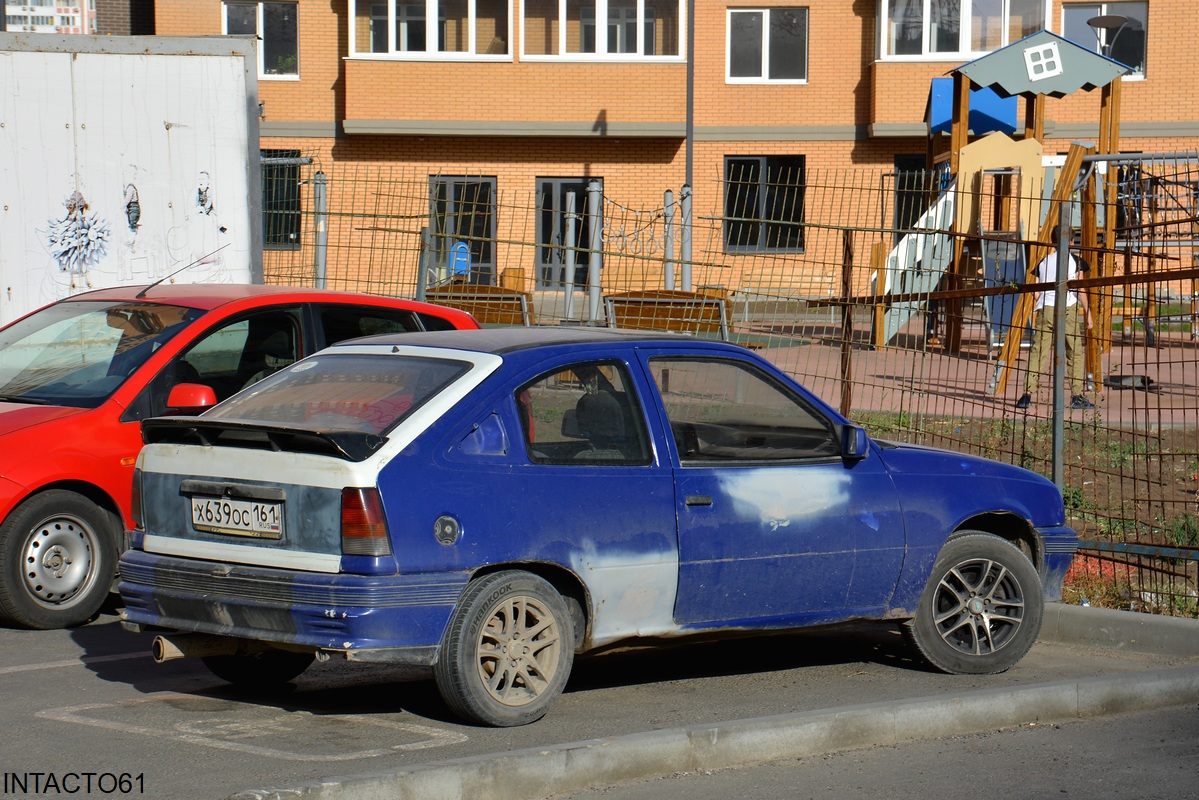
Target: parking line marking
(75, 715)
(74, 662)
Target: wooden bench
(697, 313)
(489, 305)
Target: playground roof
(1042, 63)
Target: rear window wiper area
(348, 445)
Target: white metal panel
(123, 167)
(37, 159)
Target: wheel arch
(89, 491)
(565, 583)
(1007, 526)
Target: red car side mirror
(190, 398)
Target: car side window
(729, 411)
(342, 322)
(584, 414)
(235, 355)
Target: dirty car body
(490, 503)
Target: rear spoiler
(348, 445)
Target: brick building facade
(527, 94)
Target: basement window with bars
(281, 199)
(763, 204)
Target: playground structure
(935, 254)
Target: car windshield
(79, 353)
(348, 392)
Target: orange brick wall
(840, 50)
(847, 90)
(516, 92)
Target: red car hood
(16, 416)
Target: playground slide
(918, 261)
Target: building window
(281, 199)
(400, 29)
(1124, 42)
(555, 229)
(953, 29)
(767, 44)
(462, 212)
(275, 25)
(570, 28)
(763, 203)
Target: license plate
(261, 520)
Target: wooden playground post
(1061, 194)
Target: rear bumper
(363, 616)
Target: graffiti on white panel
(78, 240)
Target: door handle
(699, 500)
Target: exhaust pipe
(191, 645)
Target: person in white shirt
(1042, 340)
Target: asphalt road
(91, 701)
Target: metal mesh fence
(894, 296)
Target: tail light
(363, 527)
(135, 502)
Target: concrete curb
(1120, 630)
(574, 766)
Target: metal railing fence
(856, 282)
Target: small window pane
(584, 415)
(946, 20)
(745, 44)
(986, 29)
(279, 38)
(906, 27)
(789, 44)
(1127, 44)
(241, 19)
(1026, 18)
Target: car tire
(982, 608)
(58, 560)
(507, 652)
(259, 671)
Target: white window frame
(262, 73)
(965, 27)
(433, 10)
(1098, 43)
(762, 77)
(598, 9)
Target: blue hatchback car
(491, 503)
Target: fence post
(1059, 341)
(668, 240)
(320, 195)
(846, 322)
(685, 236)
(422, 264)
(594, 196)
(570, 258)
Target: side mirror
(855, 444)
(190, 398)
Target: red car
(78, 376)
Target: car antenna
(204, 257)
